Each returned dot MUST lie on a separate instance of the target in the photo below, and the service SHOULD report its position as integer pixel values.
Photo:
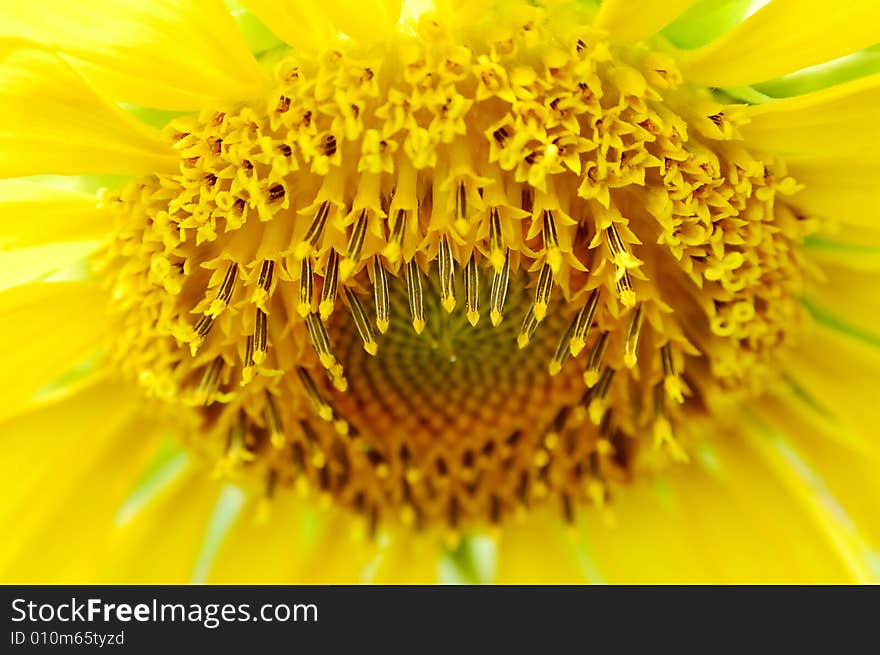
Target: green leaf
(705, 21)
(838, 71)
(84, 183)
(472, 562)
(259, 38)
(168, 462)
(157, 118)
(229, 504)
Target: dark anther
(298, 455)
(500, 135)
(329, 145)
(522, 488)
(527, 200)
(567, 508)
(276, 192)
(375, 458)
(453, 512)
(271, 483)
(283, 105)
(374, 522)
(494, 509)
(285, 149)
(461, 201)
(203, 326)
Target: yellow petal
(844, 476)
(51, 121)
(66, 468)
(339, 555)
(299, 543)
(726, 517)
(811, 491)
(632, 21)
(853, 249)
(162, 542)
(311, 25)
(838, 372)
(47, 329)
(22, 265)
(34, 214)
(788, 407)
(538, 551)
(847, 297)
(457, 13)
(301, 23)
(408, 559)
(169, 54)
(839, 187)
(367, 20)
(45, 229)
(35, 450)
(280, 540)
(782, 37)
(840, 120)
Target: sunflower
(481, 290)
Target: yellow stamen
(633, 333)
(380, 295)
(416, 302)
(305, 289)
(361, 321)
(542, 293)
(581, 324)
(328, 291)
(591, 373)
(447, 275)
(500, 282)
(472, 291)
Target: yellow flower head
(440, 270)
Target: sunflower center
(461, 276)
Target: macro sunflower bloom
(464, 291)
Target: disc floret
(457, 277)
